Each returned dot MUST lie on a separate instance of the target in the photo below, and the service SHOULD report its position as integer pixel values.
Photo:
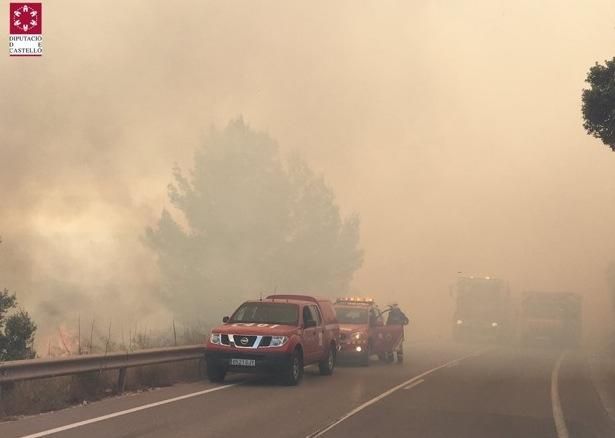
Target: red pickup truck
(280, 334)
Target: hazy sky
(452, 127)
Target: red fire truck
(364, 332)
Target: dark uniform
(397, 317)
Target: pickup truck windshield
(351, 315)
(267, 313)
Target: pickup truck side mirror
(226, 319)
(309, 323)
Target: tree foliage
(599, 103)
(249, 223)
(17, 330)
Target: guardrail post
(202, 370)
(121, 381)
(5, 389)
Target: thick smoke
(452, 129)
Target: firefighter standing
(397, 317)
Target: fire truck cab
(363, 331)
(483, 310)
(551, 318)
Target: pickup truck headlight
(494, 324)
(278, 341)
(356, 335)
(215, 338)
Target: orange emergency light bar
(357, 300)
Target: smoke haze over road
(453, 130)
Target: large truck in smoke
(551, 317)
(483, 310)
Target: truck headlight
(459, 322)
(494, 324)
(278, 341)
(215, 338)
(356, 335)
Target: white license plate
(243, 362)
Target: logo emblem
(244, 341)
(26, 18)
(25, 29)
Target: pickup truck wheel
(326, 366)
(294, 369)
(215, 373)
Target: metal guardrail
(17, 370)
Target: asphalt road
(441, 391)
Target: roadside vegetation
(16, 330)
(247, 221)
(598, 110)
(599, 102)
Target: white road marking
(126, 412)
(412, 385)
(368, 403)
(558, 413)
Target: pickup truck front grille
(246, 341)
